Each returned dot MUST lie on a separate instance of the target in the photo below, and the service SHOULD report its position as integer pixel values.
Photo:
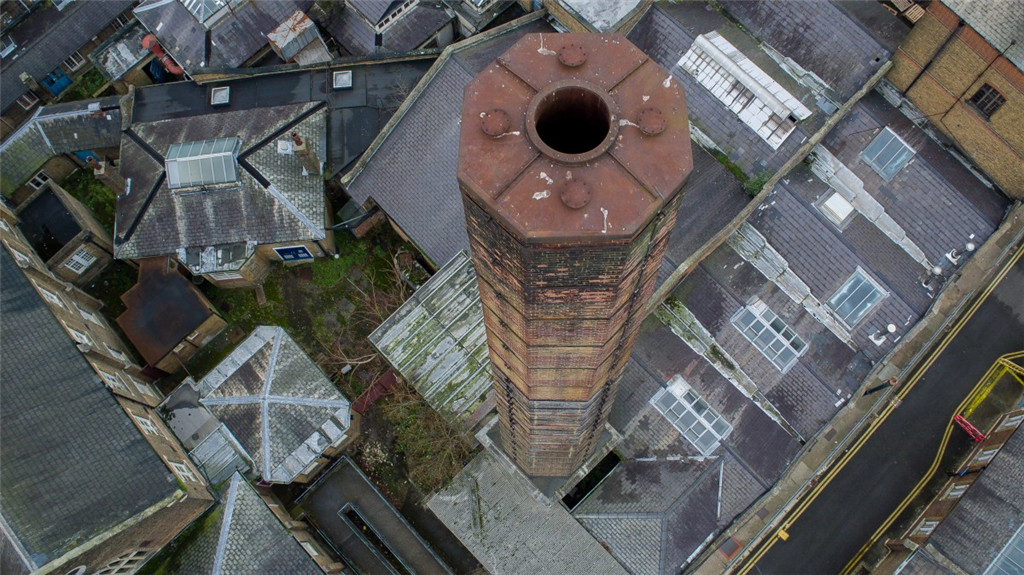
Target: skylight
(202, 163)
(203, 9)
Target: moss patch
(84, 187)
(84, 87)
(729, 165)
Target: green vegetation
(84, 87)
(729, 164)
(168, 560)
(329, 272)
(101, 201)
(434, 450)
(118, 278)
(753, 185)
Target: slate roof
(410, 170)
(243, 536)
(231, 40)
(121, 52)
(162, 308)
(998, 22)
(58, 129)
(816, 35)
(989, 514)
(509, 531)
(437, 343)
(408, 32)
(275, 201)
(373, 10)
(47, 37)
(278, 404)
(73, 464)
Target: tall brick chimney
(306, 154)
(574, 149)
(108, 174)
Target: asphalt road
(875, 481)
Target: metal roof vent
(342, 79)
(220, 96)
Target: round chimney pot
(572, 55)
(575, 194)
(495, 122)
(651, 121)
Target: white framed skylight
(342, 79)
(856, 297)
(1010, 560)
(202, 163)
(770, 335)
(887, 154)
(697, 421)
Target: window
(146, 424)
(887, 154)
(50, 296)
(857, 296)
(183, 471)
(692, 416)
(87, 315)
(986, 455)
(121, 21)
(1011, 422)
(21, 258)
(39, 180)
(74, 61)
(111, 380)
(837, 209)
(4, 226)
(309, 548)
(987, 100)
(925, 527)
(956, 490)
(294, 253)
(7, 45)
(117, 354)
(202, 163)
(769, 334)
(80, 260)
(143, 387)
(225, 276)
(27, 100)
(1010, 560)
(127, 563)
(80, 337)
(227, 255)
(760, 102)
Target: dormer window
(198, 164)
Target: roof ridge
(225, 526)
(264, 411)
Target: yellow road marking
(902, 393)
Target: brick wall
(939, 67)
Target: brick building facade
(962, 70)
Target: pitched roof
(47, 37)
(242, 535)
(73, 464)
(162, 309)
(998, 22)
(231, 39)
(122, 51)
(275, 201)
(410, 169)
(278, 404)
(989, 514)
(408, 31)
(58, 129)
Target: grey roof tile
(276, 402)
(988, 514)
(46, 38)
(253, 541)
(152, 222)
(74, 465)
(1001, 23)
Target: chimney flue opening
(571, 122)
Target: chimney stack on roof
(573, 153)
(306, 154)
(106, 173)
